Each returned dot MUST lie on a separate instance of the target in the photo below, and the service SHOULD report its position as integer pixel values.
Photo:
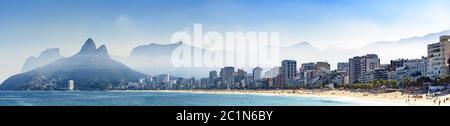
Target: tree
(406, 82)
(393, 84)
(446, 79)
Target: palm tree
(446, 79)
(406, 82)
(393, 84)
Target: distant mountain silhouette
(155, 49)
(91, 69)
(414, 47)
(155, 59)
(44, 58)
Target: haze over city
(29, 28)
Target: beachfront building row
(412, 68)
(363, 69)
(308, 75)
(358, 69)
(397, 70)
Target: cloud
(123, 22)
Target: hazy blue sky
(28, 27)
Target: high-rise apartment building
(289, 69)
(257, 73)
(438, 58)
(323, 67)
(226, 75)
(342, 66)
(361, 65)
(288, 72)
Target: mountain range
(141, 57)
(44, 58)
(409, 48)
(154, 59)
(91, 69)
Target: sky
(27, 27)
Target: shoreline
(393, 98)
(396, 98)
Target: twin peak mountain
(89, 48)
(90, 69)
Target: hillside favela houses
(358, 72)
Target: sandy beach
(393, 97)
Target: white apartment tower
(438, 58)
(71, 85)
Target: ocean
(136, 98)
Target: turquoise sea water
(114, 98)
